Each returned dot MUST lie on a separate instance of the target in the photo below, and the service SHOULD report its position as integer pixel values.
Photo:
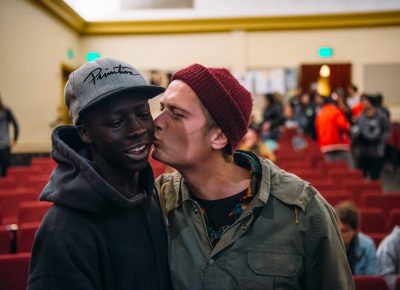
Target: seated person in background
(290, 120)
(389, 257)
(361, 252)
(105, 230)
(272, 118)
(252, 142)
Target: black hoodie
(94, 237)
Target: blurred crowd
(347, 125)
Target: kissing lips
(156, 141)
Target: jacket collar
(271, 180)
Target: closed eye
(177, 115)
(115, 123)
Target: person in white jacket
(389, 257)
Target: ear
(218, 139)
(84, 134)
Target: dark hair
(379, 97)
(328, 99)
(354, 87)
(270, 97)
(1, 103)
(373, 99)
(347, 213)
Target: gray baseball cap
(100, 79)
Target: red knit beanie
(227, 101)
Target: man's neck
(216, 179)
(126, 182)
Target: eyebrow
(174, 107)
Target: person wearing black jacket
(6, 142)
(272, 118)
(369, 135)
(105, 230)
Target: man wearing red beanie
(235, 220)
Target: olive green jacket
(286, 239)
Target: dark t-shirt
(217, 211)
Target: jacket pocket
(272, 270)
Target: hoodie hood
(76, 184)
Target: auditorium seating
(36, 182)
(7, 183)
(23, 172)
(336, 182)
(377, 237)
(32, 211)
(19, 194)
(358, 189)
(372, 220)
(4, 240)
(14, 271)
(26, 235)
(341, 175)
(394, 218)
(308, 174)
(370, 283)
(386, 202)
(158, 167)
(10, 201)
(324, 185)
(45, 164)
(334, 199)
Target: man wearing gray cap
(105, 229)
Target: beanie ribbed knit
(227, 101)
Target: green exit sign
(92, 55)
(325, 52)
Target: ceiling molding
(326, 21)
(65, 13)
(248, 23)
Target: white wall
(33, 48)
(240, 51)
(358, 46)
(245, 50)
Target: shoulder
(392, 240)
(168, 186)
(64, 221)
(291, 191)
(168, 179)
(366, 241)
(287, 187)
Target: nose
(158, 121)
